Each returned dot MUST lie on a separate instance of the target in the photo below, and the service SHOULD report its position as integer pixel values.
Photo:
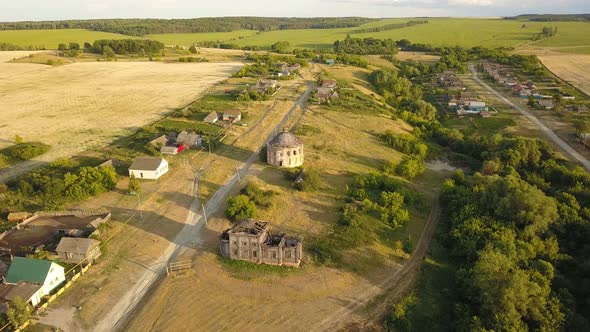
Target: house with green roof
(49, 275)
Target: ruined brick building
(251, 241)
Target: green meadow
(187, 39)
(465, 32)
(50, 39)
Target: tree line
(392, 26)
(142, 27)
(365, 46)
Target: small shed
(330, 61)
(111, 162)
(211, 117)
(172, 149)
(77, 250)
(159, 141)
(546, 104)
(232, 116)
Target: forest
(515, 226)
(142, 27)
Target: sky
(20, 10)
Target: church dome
(285, 139)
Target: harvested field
(574, 69)
(11, 55)
(84, 105)
(417, 56)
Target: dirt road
(546, 130)
(120, 311)
(400, 280)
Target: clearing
(82, 106)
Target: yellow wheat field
(572, 68)
(88, 104)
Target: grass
(250, 271)
(50, 39)
(180, 125)
(187, 39)
(466, 32)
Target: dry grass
(574, 69)
(219, 298)
(6, 56)
(85, 105)
(417, 56)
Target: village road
(546, 130)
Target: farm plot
(574, 69)
(85, 105)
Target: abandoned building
(251, 241)
(285, 150)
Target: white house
(148, 168)
(32, 279)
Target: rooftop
(250, 226)
(285, 139)
(146, 163)
(77, 245)
(29, 270)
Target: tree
(19, 312)
(74, 46)
(108, 52)
(193, 49)
(62, 47)
(240, 207)
(134, 187)
(411, 167)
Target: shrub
(257, 195)
(26, 151)
(240, 207)
(410, 167)
(311, 181)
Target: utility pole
(238, 173)
(204, 213)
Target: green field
(464, 32)
(51, 38)
(187, 39)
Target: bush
(240, 207)
(257, 195)
(311, 181)
(26, 151)
(410, 167)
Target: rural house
(190, 140)
(546, 104)
(27, 291)
(46, 274)
(76, 250)
(331, 84)
(265, 86)
(211, 117)
(325, 95)
(150, 168)
(232, 116)
(251, 241)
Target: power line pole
(204, 213)
(139, 205)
